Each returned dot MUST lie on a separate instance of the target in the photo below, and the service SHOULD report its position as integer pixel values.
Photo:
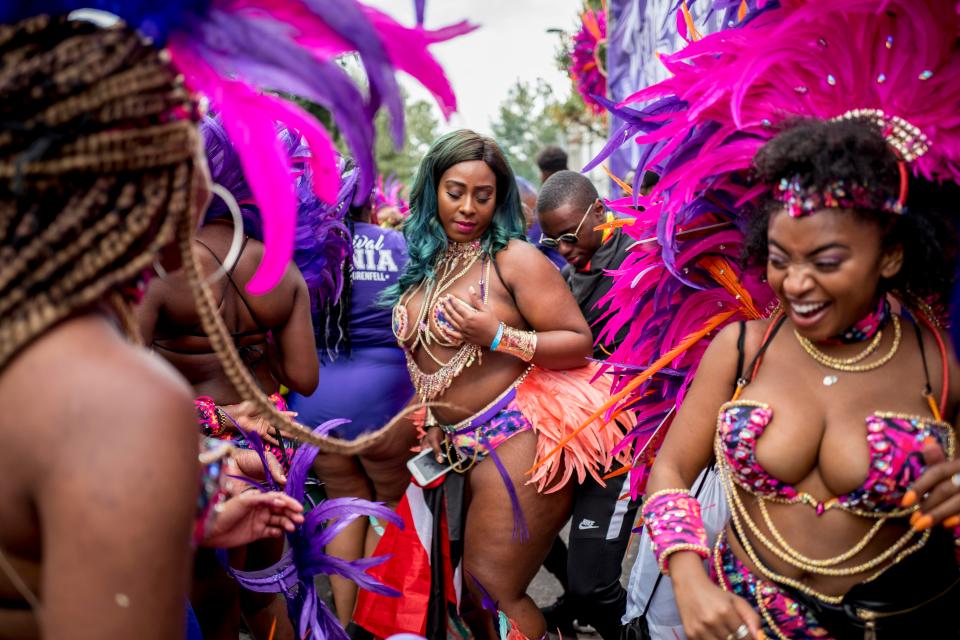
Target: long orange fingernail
(761, 635)
(909, 499)
(930, 441)
(916, 516)
(923, 523)
(952, 522)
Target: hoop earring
(236, 243)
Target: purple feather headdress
(231, 50)
(321, 238)
(387, 194)
(293, 575)
(729, 93)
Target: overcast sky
(511, 44)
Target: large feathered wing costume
(232, 50)
(729, 93)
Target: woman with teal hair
(496, 348)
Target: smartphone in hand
(425, 469)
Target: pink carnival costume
(892, 66)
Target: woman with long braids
(82, 215)
(102, 175)
(482, 316)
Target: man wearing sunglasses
(569, 210)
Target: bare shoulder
(723, 352)
(521, 257)
(520, 252)
(114, 480)
(100, 386)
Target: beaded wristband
(208, 417)
(674, 523)
(522, 344)
(496, 338)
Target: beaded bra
(431, 326)
(895, 440)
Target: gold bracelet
(699, 549)
(522, 344)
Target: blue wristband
(496, 338)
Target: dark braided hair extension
(96, 169)
(98, 138)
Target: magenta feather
(233, 50)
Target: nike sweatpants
(599, 534)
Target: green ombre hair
(424, 234)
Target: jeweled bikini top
(895, 441)
(431, 326)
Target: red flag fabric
(407, 571)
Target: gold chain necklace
(863, 355)
(841, 364)
(819, 567)
(730, 488)
(455, 263)
(824, 562)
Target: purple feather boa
(294, 574)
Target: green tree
(533, 117)
(420, 130)
(526, 123)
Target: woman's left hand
(940, 488)
(472, 319)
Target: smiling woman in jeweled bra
(839, 468)
(494, 341)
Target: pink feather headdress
(587, 66)
(729, 93)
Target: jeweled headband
(802, 201)
(908, 144)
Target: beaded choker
(867, 328)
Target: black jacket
(591, 285)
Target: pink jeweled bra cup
(896, 441)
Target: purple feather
(306, 554)
(346, 19)
(322, 240)
(261, 52)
